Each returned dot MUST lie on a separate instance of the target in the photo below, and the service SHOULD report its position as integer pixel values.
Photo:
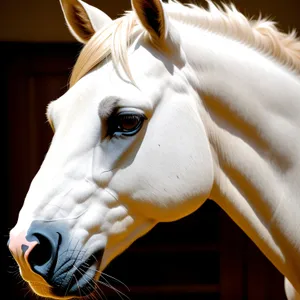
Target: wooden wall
(42, 21)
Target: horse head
(129, 150)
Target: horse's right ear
(83, 20)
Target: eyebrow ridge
(107, 106)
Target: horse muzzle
(47, 254)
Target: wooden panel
(36, 75)
(32, 75)
(232, 260)
(263, 281)
(36, 20)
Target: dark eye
(125, 123)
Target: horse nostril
(41, 254)
(43, 257)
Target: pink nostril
(20, 247)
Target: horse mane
(261, 34)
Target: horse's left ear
(153, 18)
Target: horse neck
(251, 111)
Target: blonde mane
(261, 34)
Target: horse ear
(152, 16)
(83, 20)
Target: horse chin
(78, 288)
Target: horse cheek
(171, 175)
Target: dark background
(203, 256)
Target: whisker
(99, 288)
(118, 292)
(14, 272)
(21, 281)
(68, 287)
(117, 280)
(77, 285)
(109, 285)
(92, 279)
(28, 292)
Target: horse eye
(125, 123)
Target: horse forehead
(106, 81)
(144, 63)
(147, 62)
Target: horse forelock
(261, 34)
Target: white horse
(168, 105)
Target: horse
(169, 105)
